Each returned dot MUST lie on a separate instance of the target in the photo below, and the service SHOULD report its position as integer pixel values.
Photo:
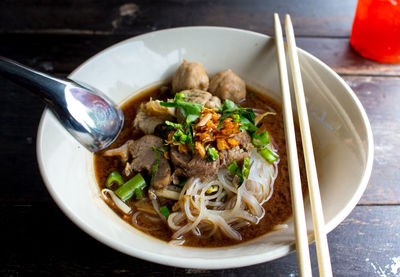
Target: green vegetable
(180, 136)
(261, 142)
(138, 194)
(191, 118)
(269, 155)
(180, 96)
(261, 139)
(228, 104)
(246, 167)
(183, 134)
(242, 172)
(190, 139)
(164, 210)
(233, 167)
(212, 154)
(245, 116)
(190, 111)
(236, 117)
(126, 191)
(114, 177)
(173, 124)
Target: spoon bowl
(87, 114)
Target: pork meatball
(190, 76)
(202, 97)
(228, 85)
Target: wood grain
(19, 119)
(310, 17)
(380, 98)
(63, 53)
(52, 245)
(341, 57)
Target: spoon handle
(48, 88)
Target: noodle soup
(227, 184)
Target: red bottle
(376, 30)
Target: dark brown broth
(277, 209)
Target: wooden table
(56, 36)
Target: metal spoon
(87, 114)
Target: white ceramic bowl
(341, 134)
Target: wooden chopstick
(303, 254)
(321, 241)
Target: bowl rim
(222, 262)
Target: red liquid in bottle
(376, 30)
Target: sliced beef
(243, 150)
(144, 158)
(202, 97)
(179, 159)
(195, 165)
(199, 166)
(192, 165)
(228, 85)
(190, 75)
(163, 176)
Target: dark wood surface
(56, 36)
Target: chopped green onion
(246, 167)
(269, 155)
(212, 154)
(173, 124)
(138, 194)
(180, 96)
(114, 177)
(190, 139)
(126, 191)
(241, 173)
(260, 139)
(233, 167)
(236, 117)
(164, 210)
(178, 136)
(183, 139)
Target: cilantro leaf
(188, 110)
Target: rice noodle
(169, 194)
(154, 202)
(227, 210)
(148, 217)
(118, 202)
